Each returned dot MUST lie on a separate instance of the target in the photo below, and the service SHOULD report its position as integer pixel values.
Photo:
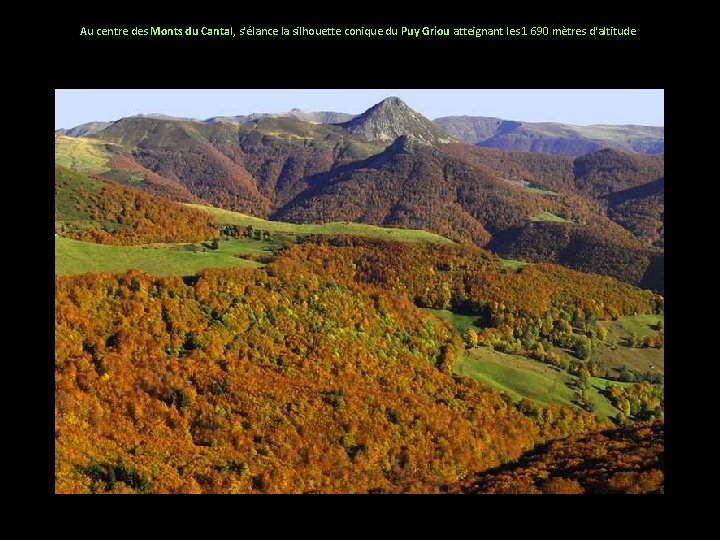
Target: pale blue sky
(581, 107)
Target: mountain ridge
(315, 117)
(391, 118)
(554, 137)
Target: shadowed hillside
(624, 460)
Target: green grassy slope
(460, 322)
(549, 216)
(513, 264)
(642, 325)
(517, 375)
(82, 155)
(227, 217)
(541, 191)
(75, 257)
(521, 377)
(70, 205)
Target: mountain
(415, 185)
(84, 129)
(602, 247)
(392, 118)
(535, 206)
(553, 138)
(91, 128)
(316, 117)
(608, 179)
(641, 210)
(253, 167)
(474, 129)
(441, 190)
(601, 173)
(631, 188)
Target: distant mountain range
(317, 117)
(552, 138)
(541, 137)
(601, 212)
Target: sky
(579, 107)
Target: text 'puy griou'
(424, 31)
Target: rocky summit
(392, 118)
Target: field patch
(615, 353)
(75, 257)
(512, 264)
(517, 376)
(541, 191)
(460, 322)
(520, 377)
(549, 216)
(642, 325)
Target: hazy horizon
(576, 107)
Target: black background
(68, 60)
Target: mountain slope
(607, 250)
(182, 153)
(553, 138)
(92, 209)
(316, 373)
(251, 167)
(606, 182)
(600, 173)
(641, 210)
(416, 186)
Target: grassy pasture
(227, 217)
(75, 257)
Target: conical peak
(392, 118)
